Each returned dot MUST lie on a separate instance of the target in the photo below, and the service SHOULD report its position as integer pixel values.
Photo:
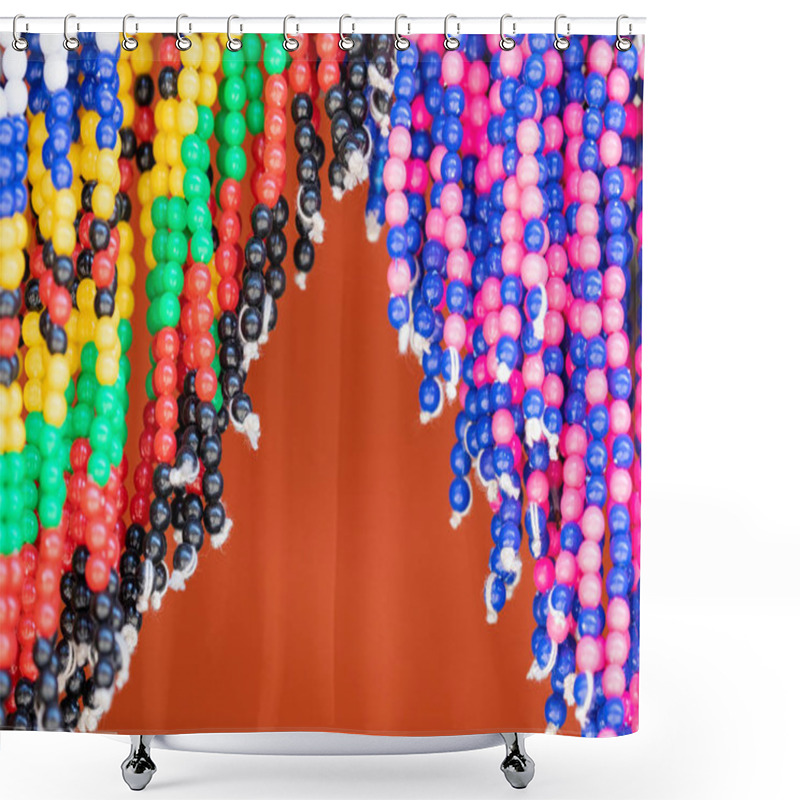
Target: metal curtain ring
(561, 43)
(182, 42)
(506, 42)
(451, 42)
(18, 42)
(400, 42)
(289, 44)
(345, 42)
(128, 42)
(233, 44)
(623, 44)
(70, 42)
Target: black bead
(261, 220)
(79, 558)
(84, 628)
(125, 207)
(188, 382)
(159, 513)
(304, 254)
(52, 718)
(191, 435)
(161, 577)
(214, 517)
(186, 460)
(33, 301)
(145, 158)
(210, 450)
(251, 323)
(357, 76)
(99, 234)
(230, 354)
(280, 214)
(83, 264)
(319, 152)
(117, 619)
(143, 90)
(104, 303)
(48, 254)
(241, 406)
(206, 418)
(23, 694)
(307, 169)
(113, 582)
(253, 287)
(255, 253)
(103, 674)
(222, 420)
(161, 483)
(276, 247)
(231, 382)
(5, 685)
(10, 302)
(192, 507)
(193, 533)
(63, 271)
(383, 63)
(104, 640)
(128, 591)
(127, 564)
(115, 214)
(335, 100)
(381, 101)
(341, 125)
(304, 136)
(336, 173)
(56, 339)
(67, 587)
(102, 605)
(76, 682)
(82, 597)
(357, 106)
(168, 82)
(42, 652)
(133, 617)
(134, 538)
(155, 546)
(182, 557)
(189, 410)
(212, 484)
(67, 623)
(86, 195)
(302, 107)
(227, 326)
(275, 278)
(127, 143)
(47, 686)
(273, 317)
(310, 199)
(70, 711)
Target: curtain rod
(407, 25)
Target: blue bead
(404, 87)
(620, 548)
(430, 395)
(400, 115)
(619, 520)
(573, 86)
(496, 198)
(431, 361)
(451, 167)
(551, 101)
(534, 70)
(511, 510)
(510, 158)
(592, 285)
(416, 206)
(555, 710)
(7, 205)
(620, 383)
(500, 394)
(552, 420)
(577, 383)
(591, 622)
(457, 297)
(433, 289)
(592, 123)
(460, 495)
(596, 490)
(596, 353)
(511, 290)
(431, 66)
(398, 311)
(497, 594)
(528, 340)
(575, 408)
(433, 96)
(571, 537)
(533, 404)
(628, 60)
(614, 116)
(525, 102)
(436, 194)
(534, 300)
(595, 89)
(509, 126)
(596, 457)
(561, 597)
(434, 255)
(615, 216)
(105, 67)
(408, 58)
(454, 101)
(508, 90)
(459, 460)
(106, 134)
(589, 156)
(577, 349)
(509, 536)
(61, 173)
(623, 451)
(59, 109)
(553, 360)
(507, 351)
(396, 242)
(483, 432)
(503, 459)
(597, 422)
(617, 583)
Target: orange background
(343, 600)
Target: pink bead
(517, 386)
(463, 388)
(510, 322)
(455, 331)
(575, 440)
(417, 176)
(543, 574)
(502, 426)
(533, 372)
(420, 116)
(396, 209)
(435, 161)
(428, 42)
(452, 200)
(479, 371)
(531, 206)
(435, 224)
(511, 226)
(495, 103)
(566, 568)
(586, 220)
(573, 176)
(553, 134)
(629, 184)
(511, 62)
(617, 648)
(573, 120)
(593, 525)
(589, 654)
(606, 733)
(613, 681)
(511, 258)
(557, 299)
(491, 327)
(589, 188)
(631, 127)
(458, 266)
(574, 472)
(495, 161)
(618, 85)
(613, 316)
(490, 294)
(557, 628)
(491, 362)
(483, 177)
(553, 68)
(511, 192)
(533, 270)
(400, 143)
(479, 310)
(591, 320)
(528, 136)
(398, 276)
(394, 173)
(596, 386)
(553, 390)
(537, 487)
(614, 283)
(610, 148)
(527, 171)
(590, 557)
(638, 359)
(557, 261)
(553, 327)
(590, 252)
(601, 57)
(479, 111)
(452, 68)
(619, 414)
(620, 486)
(477, 78)
(618, 615)
(571, 504)
(590, 590)
(574, 248)
(617, 349)
(516, 452)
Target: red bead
(166, 414)
(122, 504)
(197, 281)
(97, 573)
(205, 383)
(275, 158)
(113, 244)
(226, 259)
(37, 264)
(205, 348)
(140, 507)
(167, 344)
(51, 547)
(164, 445)
(189, 358)
(59, 305)
(103, 269)
(146, 443)
(83, 229)
(144, 125)
(46, 284)
(257, 148)
(276, 92)
(123, 466)
(267, 189)
(8, 649)
(27, 666)
(274, 125)
(300, 76)
(228, 294)
(29, 559)
(92, 500)
(230, 226)
(125, 174)
(327, 45)
(79, 454)
(328, 75)
(77, 527)
(149, 413)
(165, 376)
(230, 195)
(9, 336)
(168, 52)
(47, 581)
(46, 616)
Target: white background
(720, 696)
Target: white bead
(15, 62)
(16, 97)
(3, 104)
(5, 39)
(56, 74)
(107, 42)
(51, 43)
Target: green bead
(171, 278)
(48, 439)
(3, 471)
(176, 211)
(50, 475)
(191, 151)
(33, 461)
(233, 61)
(199, 216)
(125, 331)
(215, 334)
(235, 164)
(254, 116)
(10, 539)
(272, 37)
(158, 212)
(219, 124)
(104, 401)
(30, 494)
(148, 386)
(88, 357)
(82, 420)
(100, 434)
(252, 47)
(69, 393)
(177, 249)
(215, 365)
(15, 468)
(169, 309)
(99, 467)
(221, 151)
(34, 423)
(115, 449)
(29, 526)
(64, 450)
(234, 129)
(233, 93)
(125, 377)
(217, 399)
(202, 247)
(50, 510)
(196, 184)
(205, 123)
(275, 56)
(254, 82)
(12, 502)
(161, 244)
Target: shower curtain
(437, 530)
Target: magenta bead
(543, 574)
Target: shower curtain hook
(233, 44)
(506, 42)
(345, 42)
(19, 42)
(290, 44)
(70, 42)
(623, 44)
(128, 42)
(182, 42)
(451, 42)
(400, 42)
(561, 43)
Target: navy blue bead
(551, 101)
(528, 340)
(540, 610)
(510, 158)
(553, 360)
(577, 349)
(573, 85)
(574, 408)
(577, 383)
(486, 466)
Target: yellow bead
(128, 110)
(169, 115)
(14, 400)
(187, 118)
(176, 176)
(89, 128)
(142, 58)
(125, 302)
(143, 192)
(37, 135)
(32, 395)
(12, 269)
(125, 236)
(72, 324)
(37, 201)
(65, 206)
(14, 435)
(146, 221)
(188, 84)
(36, 169)
(160, 147)
(193, 56)
(212, 54)
(126, 270)
(64, 238)
(103, 201)
(8, 234)
(23, 230)
(159, 179)
(208, 90)
(31, 334)
(46, 222)
(105, 334)
(86, 293)
(106, 166)
(124, 72)
(34, 363)
(173, 149)
(55, 409)
(107, 369)
(149, 258)
(86, 326)
(73, 355)
(89, 163)
(58, 372)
